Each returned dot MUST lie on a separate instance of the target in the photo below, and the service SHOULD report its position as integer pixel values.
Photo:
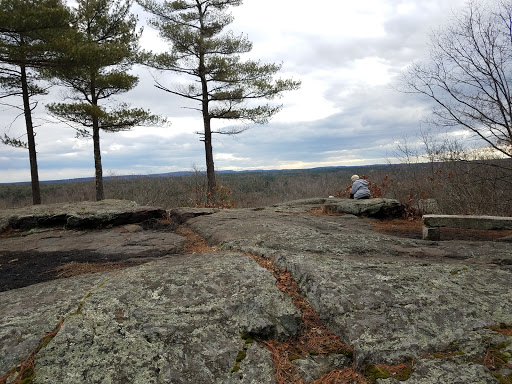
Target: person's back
(359, 188)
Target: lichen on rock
(180, 316)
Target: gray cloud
(356, 117)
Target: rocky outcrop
(78, 215)
(127, 240)
(186, 317)
(379, 208)
(178, 320)
(391, 299)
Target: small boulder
(428, 206)
(379, 208)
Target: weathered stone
(506, 238)
(380, 208)
(256, 368)
(391, 298)
(313, 367)
(177, 320)
(27, 314)
(431, 233)
(265, 232)
(468, 221)
(297, 206)
(428, 206)
(394, 310)
(85, 214)
(455, 370)
(432, 223)
(181, 215)
(118, 240)
(307, 202)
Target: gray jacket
(360, 189)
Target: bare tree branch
(468, 74)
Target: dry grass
(504, 329)
(459, 188)
(314, 337)
(494, 360)
(76, 268)
(195, 243)
(343, 376)
(399, 371)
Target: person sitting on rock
(359, 188)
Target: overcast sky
(346, 54)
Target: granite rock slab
(392, 299)
(178, 319)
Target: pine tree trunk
(97, 161)
(210, 169)
(36, 192)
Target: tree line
(88, 49)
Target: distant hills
(188, 173)
(507, 163)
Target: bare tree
(468, 74)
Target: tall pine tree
(222, 84)
(29, 30)
(100, 53)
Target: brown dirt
(195, 243)
(412, 229)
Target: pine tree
(99, 53)
(223, 85)
(28, 33)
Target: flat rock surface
(40, 255)
(391, 298)
(85, 214)
(184, 316)
(127, 239)
(176, 320)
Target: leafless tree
(468, 74)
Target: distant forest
(473, 187)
